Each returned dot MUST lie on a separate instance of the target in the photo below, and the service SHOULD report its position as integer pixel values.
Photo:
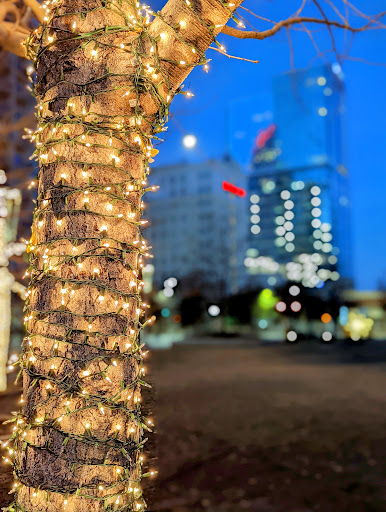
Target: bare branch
(329, 28)
(232, 56)
(300, 10)
(295, 14)
(12, 34)
(337, 11)
(319, 53)
(291, 48)
(370, 19)
(12, 39)
(247, 34)
(365, 61)
(36, 8)
(256, 15)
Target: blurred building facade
(16, 114)
(198, 230)
(298, 187)
(16, 199)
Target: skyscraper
(298, 184)
(198, 227)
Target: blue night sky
(207, 114)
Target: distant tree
(240, 306)
(192, 309)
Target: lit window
(254, 198)
(289, 205)
(289, 215)
(316, 223)
(255, 208)
(322, 111)
(315, 191)
(315, 201)
(280, 241)
(290, 237)
(316, 212)
(325, 226)
(268, 186)
(285, 194)
(327, 248)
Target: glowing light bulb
(189, 141)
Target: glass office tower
(298, 185)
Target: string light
(78, 266)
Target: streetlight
(214, 310)
(189, 141)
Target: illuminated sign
(264, 136)
(233, 189)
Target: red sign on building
(233, 189)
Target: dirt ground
(264, 429)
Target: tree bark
(105, 79)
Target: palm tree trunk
(105, 78)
